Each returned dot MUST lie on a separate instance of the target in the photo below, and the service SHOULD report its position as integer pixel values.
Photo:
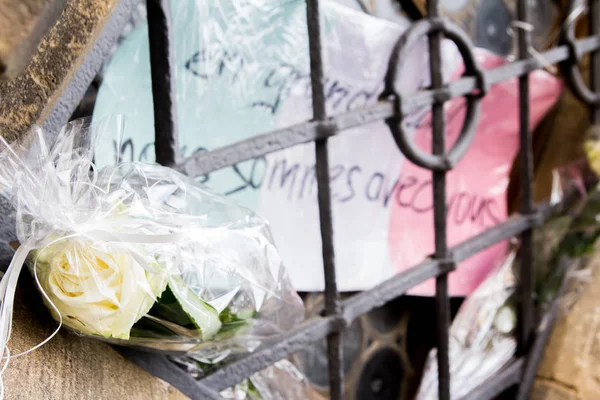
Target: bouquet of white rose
(139, 254)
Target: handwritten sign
(235, 81)
(476, 188)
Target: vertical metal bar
(163, 81)
(332, 298)
(526, 287)
(594, 24)
(440, 211)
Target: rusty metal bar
(366, 301)
(506, 378)
(526, 284)
(440, 211)
(295, 340)
(159, 366)
(163, 81)
(332, 297)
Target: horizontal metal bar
(511, 227)
(203, 163)
(162, 69)
(504, 72)
(159, 366)
(494, 386)
(304, 335)
(258, 146)
(379, 295)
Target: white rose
(97, 291)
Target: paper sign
(243, 70)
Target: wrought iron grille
(532, 332)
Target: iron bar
(506, 378)
(297, 339)
(526, 276)
(440, 211)
(206, 162)
(379, 295)
(163, 81)
(159, 366)
(363, 302)
(332, 296)
(504, 72)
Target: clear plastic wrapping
(139, 254)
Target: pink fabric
(476, 188)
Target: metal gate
(532, 332)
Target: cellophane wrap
(138, 254)
(482, 337)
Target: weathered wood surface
(23, 24)
(70, 367)
(30, 97)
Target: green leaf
(197, 312)
(148, 328)
(167, 307)
(179, 305)
(233, 323)
(253, 392)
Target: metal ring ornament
(570, 67)
(399, 54)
